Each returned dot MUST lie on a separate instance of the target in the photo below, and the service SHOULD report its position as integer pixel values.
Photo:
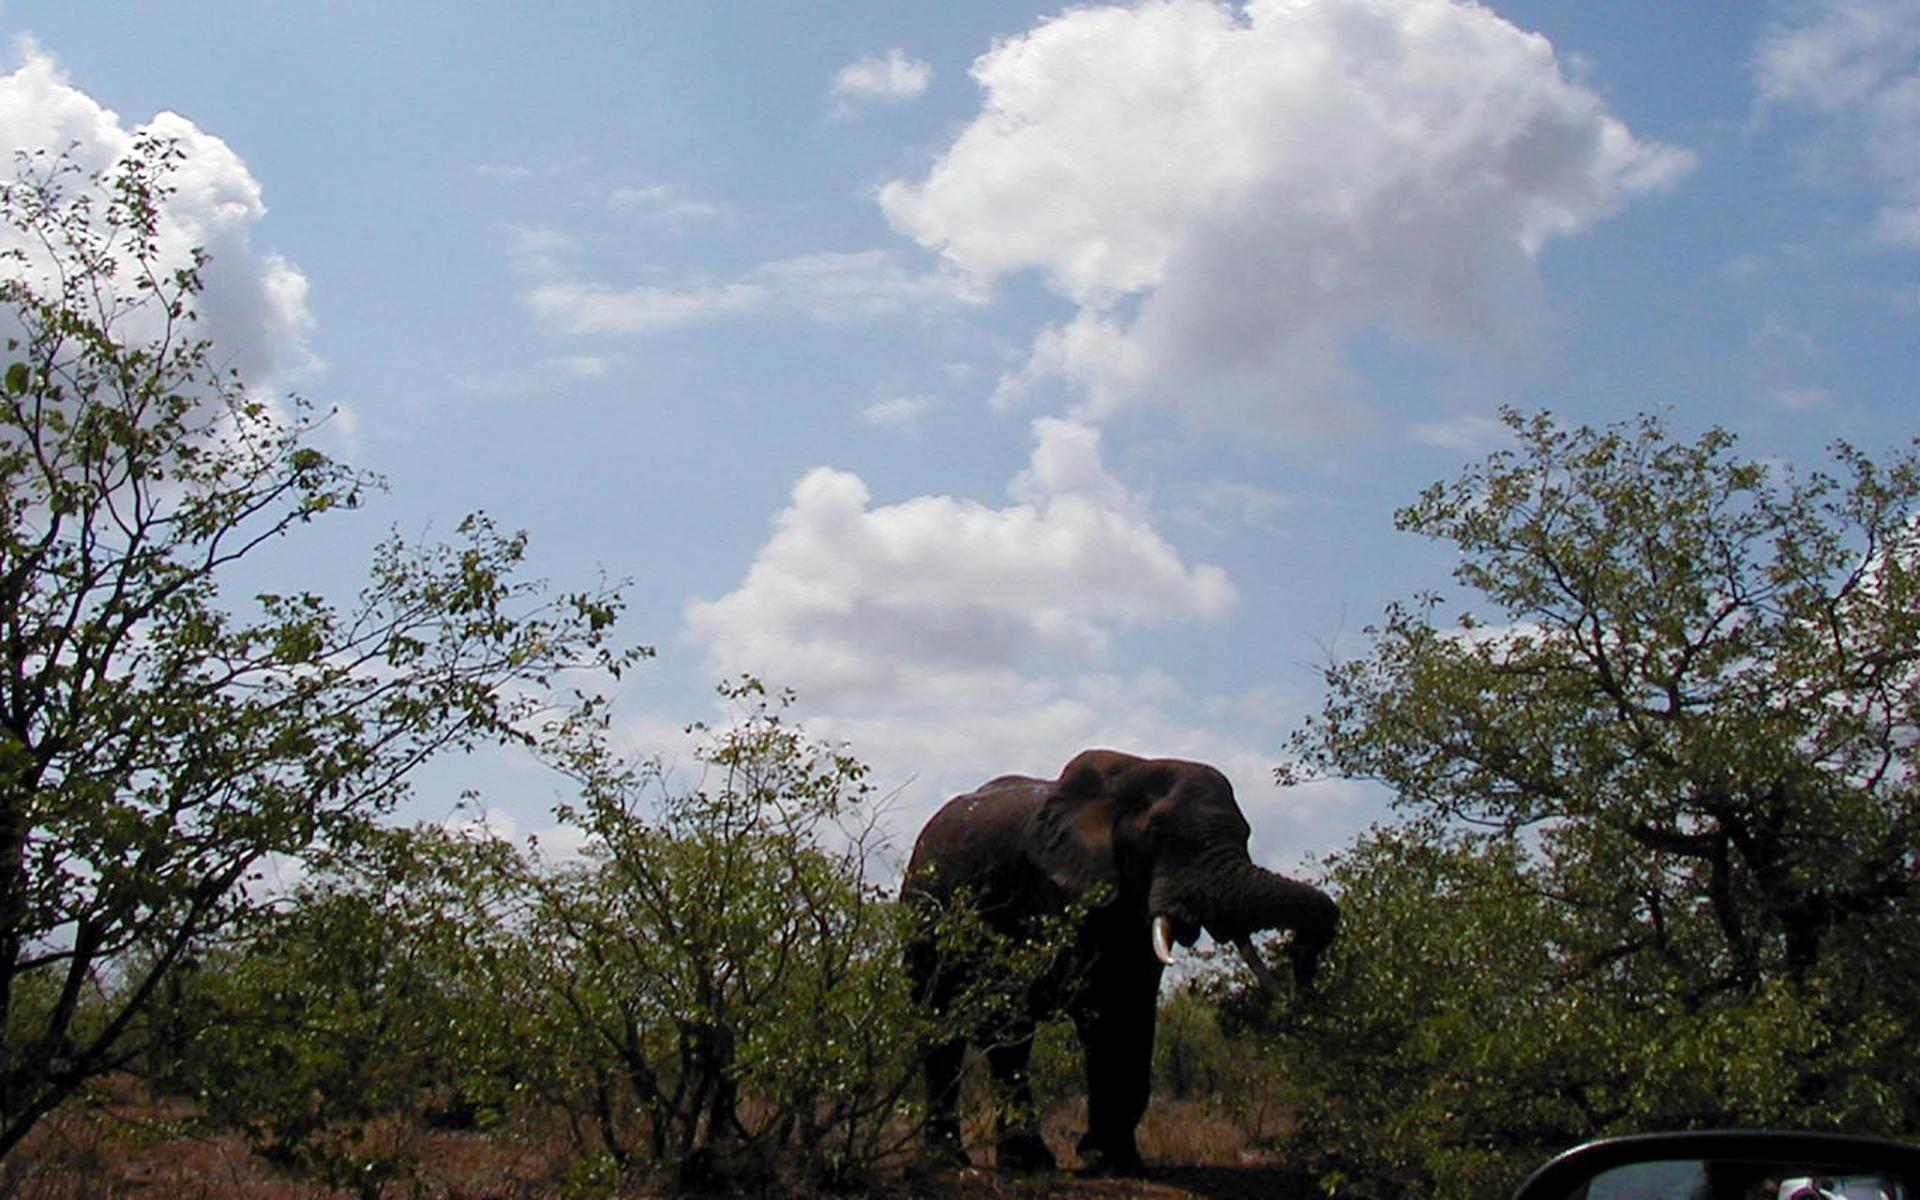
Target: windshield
(1692, 1179)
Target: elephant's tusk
(1261, 970)
(1163, 941)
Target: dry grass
(125, 1148)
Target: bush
(718, 984)
(713, 993)
(353, 1016)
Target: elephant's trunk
(1260, 969)
(1163, 950)
(1259, 899)
(1251, 899)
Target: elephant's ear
(1071, 834)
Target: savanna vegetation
(1661, 791)
(1654, 863)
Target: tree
(1675, 764)
(157, 737)
(719, 979)
(333, 1029)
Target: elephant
(1134, 856)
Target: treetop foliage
(1660, 862)
(1714, 659)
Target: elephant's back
(976, 839)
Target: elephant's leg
(1019, 1146)
(942, 1058)
(1116, 1033)
(944, 1061)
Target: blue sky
(1011, 379)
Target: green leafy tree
(1664, 828)
(338, 1026)
(158, 737)
(720, 976)
(1440, 1056)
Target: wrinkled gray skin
(1151, 838)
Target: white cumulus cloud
(1228, 193)
(253, 306)
(941, 600)
(891, 77)
(1856, 63)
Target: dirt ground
(140, 1151)
(1252, 1182)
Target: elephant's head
(1167, 838)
